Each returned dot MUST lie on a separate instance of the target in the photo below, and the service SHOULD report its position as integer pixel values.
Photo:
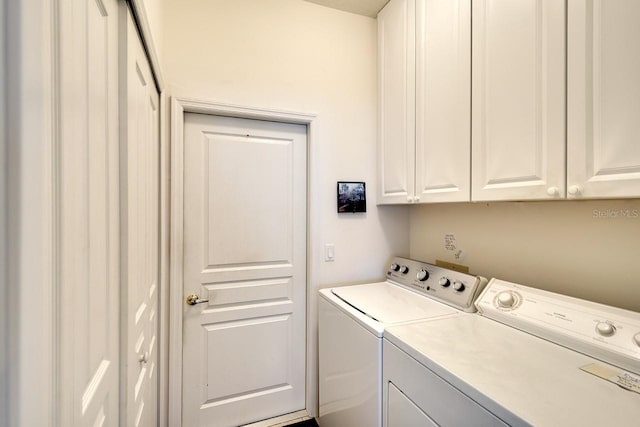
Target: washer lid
(390, 304)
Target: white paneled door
(140, 230)
(244, 270)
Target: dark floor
(307, 423)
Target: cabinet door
(518, 99)
(443, 100)
(396, 103)
(603, 98)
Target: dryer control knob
(422, 275)
(444, 282)
(636, 339)
(395, 267)
(605, 329)
(458, 286)
(506, 299)
(404, 269)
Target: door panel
(244, 252)
(603, 99)
(443, 100)
(396, 103)
(518, 106)
(253, 243)
(88, 237)
(141, 148)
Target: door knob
(194, 299)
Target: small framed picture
(352, 197)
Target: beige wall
(154, 12)
(586, 249)
(297, 56)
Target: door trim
(180, 106)
(30, 288)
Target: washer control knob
(506, 299)
(395, 267)
(444, 282)
(404, 269)
(458, 286)
(606, 329)
(422, 275)
(636, 339)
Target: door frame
(179, 107)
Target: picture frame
(351, 197)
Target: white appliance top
(499, 359)
(390, 304)
(414, 291)
(520, 378)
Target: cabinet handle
(409, 199)
(416, 199)
(575, 190)
(553, 191)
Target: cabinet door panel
(396, 109)
(518, 107)
(443, 100)
(603, 99)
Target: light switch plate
(329, 252)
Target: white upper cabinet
(424, 49)
(603, 99)
(443, 100)
(396, 102)
(518, 107)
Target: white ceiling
(360, 7)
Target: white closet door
(396, 103)
(603, 99)
(87, 215)
(443, 100)
(518, 93)
(140, 230)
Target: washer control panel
(448, 286)
(607, 333)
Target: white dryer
(352, 320)
(529, 357)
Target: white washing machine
(529, 357)
(352, 320)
